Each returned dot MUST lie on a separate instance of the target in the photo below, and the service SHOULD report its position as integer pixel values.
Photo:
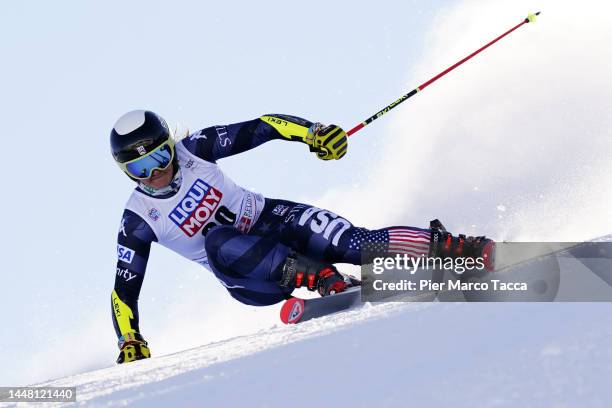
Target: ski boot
(299, 270)
(444, 245)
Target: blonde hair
(180, 132)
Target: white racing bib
(206, 198)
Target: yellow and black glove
(132, 347)
(328, 142)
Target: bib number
(223, 216)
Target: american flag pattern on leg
(411, 241)
(393, 240)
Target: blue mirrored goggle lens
(142, 168)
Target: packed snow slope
(389, 354)
(392, 356)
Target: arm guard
(289, 127)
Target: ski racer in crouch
(260, 248)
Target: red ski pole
(531, 18)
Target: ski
(537, 264)
(297, 310)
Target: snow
(388, 354)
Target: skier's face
(159, 178)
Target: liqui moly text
(196, 208)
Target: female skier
(261, 249)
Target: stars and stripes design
(410, 241)
(394, 240)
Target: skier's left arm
(213, 143)
(133, 247)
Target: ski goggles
(142, 168)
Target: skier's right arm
(133, 246)
(217, 142)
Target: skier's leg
(248, 266)
(325, 236)
(320, 238)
